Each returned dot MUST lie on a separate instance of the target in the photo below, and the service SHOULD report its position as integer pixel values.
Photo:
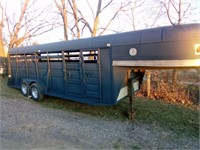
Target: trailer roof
(168, 33)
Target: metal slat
(26, 65)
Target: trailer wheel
(24, 88)
(36, 92)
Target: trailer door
(73, 74)
(91, 69)
(82, 74)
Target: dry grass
(185, 91)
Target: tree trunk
(148, 83)
(74, 9)
(96, 20)
(63, 11)
(2, 52)
(174, 76)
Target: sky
(143, 19)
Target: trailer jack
(133, 86)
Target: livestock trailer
(101, 70)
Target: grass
(136, 147)
(178, 118)
(8, 92)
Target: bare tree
(123, 7)
(131, 13)
(80, 22)
(29, 23)
(63, 12)
(73, 6)
(176, 10)
(99, 11)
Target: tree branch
(116, 13)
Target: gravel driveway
(28, 125)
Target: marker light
(108, 44)
(133, 51)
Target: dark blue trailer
(101, 70)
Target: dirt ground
(28, 125)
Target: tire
(24, 88)
(36, 93)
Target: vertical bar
(82, 73)
(26, 65)
(17, 66)
(36, 65)
(99, 71)
(49, 70)
(64, 65)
